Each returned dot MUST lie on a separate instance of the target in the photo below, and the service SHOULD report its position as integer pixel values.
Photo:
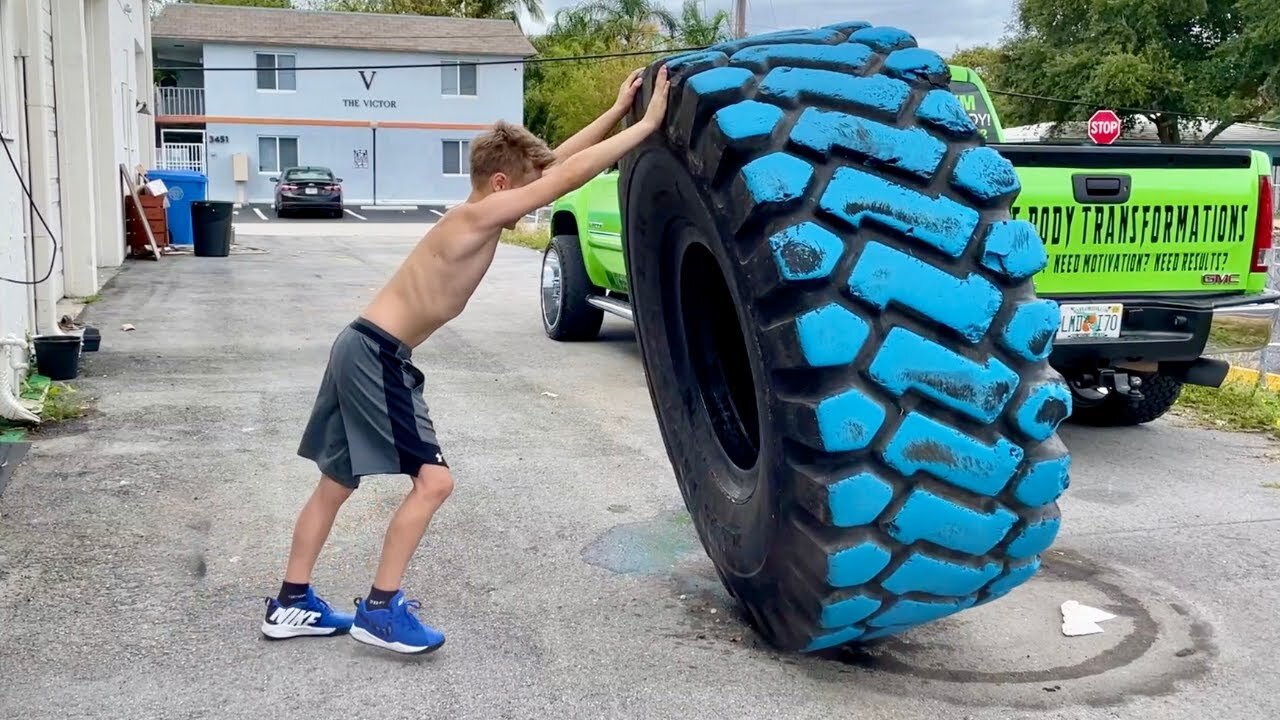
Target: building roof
(366, 31)
(1145, 131)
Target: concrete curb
(1250, 377)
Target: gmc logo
(1219, 279)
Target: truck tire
(840, 335)
(565, 287)
(1159, 394)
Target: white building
(75, 91)
(393, 116)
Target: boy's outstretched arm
(595, 132)
(504, 208)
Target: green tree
(562, 97)
(1167, 60)
(506, 9)
(698, 30)
(991, 64)
(157, 5)
(503, 9)
(626, 23)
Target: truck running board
(614, 307)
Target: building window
(276, 154)
(457, 157)
(276, 72)
(458, 79)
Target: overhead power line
(278, 40)
(452, 63)
(638, 53)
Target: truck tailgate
(1125, 221)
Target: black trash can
(58, 356)
(211, 228)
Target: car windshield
(304, 174)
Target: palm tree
(698, 30)
(501, 9)
(631, 22)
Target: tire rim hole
(717, 351)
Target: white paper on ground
(1080, 619)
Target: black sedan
(308, 188)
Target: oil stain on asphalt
(647, 547)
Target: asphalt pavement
(384, 213)
(136, 545)
(263, 213)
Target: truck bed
(1135, 220)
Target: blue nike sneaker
(395, 627)
(310, 616)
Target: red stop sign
(1104, 127)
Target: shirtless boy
(370, 417)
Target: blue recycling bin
(185, 187)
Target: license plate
(1100, 320)
(311, 191)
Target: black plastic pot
(211, 228)
(92, 339)
(58, 356)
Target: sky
(939, 25)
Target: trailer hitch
(1102, 384)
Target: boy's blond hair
(508, 148)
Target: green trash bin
(211, 228)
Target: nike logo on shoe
(296, 617)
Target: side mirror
(337, 180)
(275, 179)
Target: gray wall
(408, 162)
(332, 113)
(320, 93)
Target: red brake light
(1262, 237)
(288, 186)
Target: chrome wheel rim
(551, 288)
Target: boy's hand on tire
(627, 93)
(657, 110)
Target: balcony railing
(179, 101)
(180, 156)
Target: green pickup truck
(861, 325)
(1157, 257)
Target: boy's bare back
(438, 278)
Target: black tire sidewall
(738, 535)
(577, 318)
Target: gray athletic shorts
(369, 417)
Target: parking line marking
(353, 213)
(264, 217)
(437, 212)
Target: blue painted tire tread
(894, 309)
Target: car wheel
(840, 334)
(564, 289)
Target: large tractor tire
(840, 334)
